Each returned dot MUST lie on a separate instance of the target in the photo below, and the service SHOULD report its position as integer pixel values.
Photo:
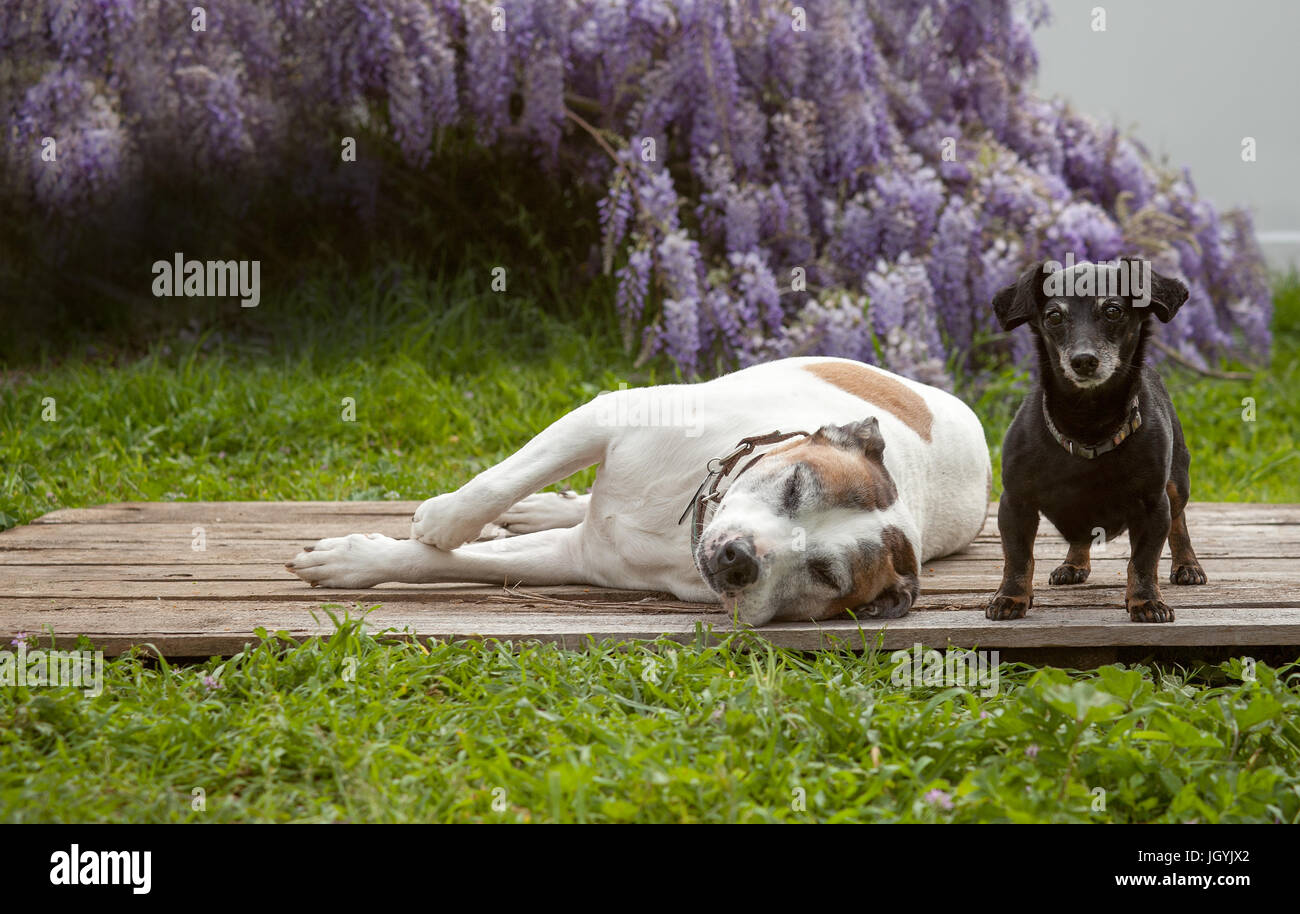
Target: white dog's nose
(734, 564)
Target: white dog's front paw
(354, 561)
(447, 521)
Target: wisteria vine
(831, 177)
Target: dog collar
(717, 470)
(1131, 425)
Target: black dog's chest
(1085, 512)
(1083, 498)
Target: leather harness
(717, 469)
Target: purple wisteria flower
(849, 177)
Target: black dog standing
(1096, 447)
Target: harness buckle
(718, 468)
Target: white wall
(1190, 79)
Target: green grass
(448, 378)
(348, 729)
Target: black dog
(1096, 446)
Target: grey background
(1190, 79)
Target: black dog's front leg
(1148, 529)
(1017, 525)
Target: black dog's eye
(822, 573)
(1054, 318)
(1112, 311)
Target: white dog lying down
(893, 474)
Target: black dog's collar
(1131, 425)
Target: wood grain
(126, 574)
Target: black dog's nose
(1085, 363)
(735, 563)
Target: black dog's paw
(1068, 574)
(1149, 611)
(1003, 607)
(1188, 574)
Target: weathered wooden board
(128, 574)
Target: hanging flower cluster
(836, 177)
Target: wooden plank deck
(126, 574)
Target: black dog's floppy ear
(1167, 295)
(1021, 300)
(862, 436)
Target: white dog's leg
(366, 559)
(544, 511)
(571, 443)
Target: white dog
(881, 474)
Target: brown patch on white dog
(846, 476)
(883, 578)
(878, 390)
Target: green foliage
(1238, 460)
(447, 379)
(349, 728)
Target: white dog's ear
(892, 603)
(896, 599)
(862, 436)
(868, 435)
